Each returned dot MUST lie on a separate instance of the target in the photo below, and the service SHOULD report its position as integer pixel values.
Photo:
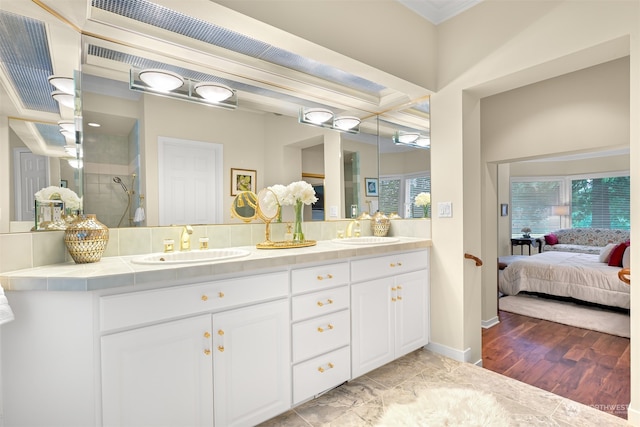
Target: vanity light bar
(324, 118)
(412, 139)
(207, 93)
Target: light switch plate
(444, 210)
(333, 212)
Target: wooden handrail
(475, 258)
(622, 275)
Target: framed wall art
(371, 187)
(243, 180)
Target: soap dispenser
(288, 236)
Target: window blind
(601, 203)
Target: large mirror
(127, 184)
(33, 146)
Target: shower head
(117, 180)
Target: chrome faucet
(185, 238)
(350, 229)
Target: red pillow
(615, 260)
(551, 239)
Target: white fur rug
(568, 313)
(455, 407)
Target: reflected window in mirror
(398, 194)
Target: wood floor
(582, 365)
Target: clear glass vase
(298, 235)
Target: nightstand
(525, 241)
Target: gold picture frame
(243, 180)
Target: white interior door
(190, 181)
(31, 176)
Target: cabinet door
(159, 375)
(371, 321)
(252, 370)
(411, 311)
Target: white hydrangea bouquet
(424, 200)
(295, 194)
(69, 197)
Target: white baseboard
(486, 324)
(451, 353)
(633, 416)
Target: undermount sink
(208, 255)
(367, 240)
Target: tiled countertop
(114, 272)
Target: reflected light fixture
(75, 163)
(161, 79)
(211, 91)
(423, 141)
(325, 118)
(317, 115)
(71, 150)
(64, 84)
(63, 98)
(346, 122)
(412, 139)
(67, 126)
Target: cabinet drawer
(388, 265)
(320, 374)
(319, 277)
(319, 303)
(131, 309)
(316, 336)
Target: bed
(566, 274)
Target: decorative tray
(285, 244)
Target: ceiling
(120, 34)
(438, 11)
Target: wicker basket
(86, 239)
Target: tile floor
(362, 401)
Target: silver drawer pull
(329, 301)
(329, 327)
(321, 369)
(328, 276)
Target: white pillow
(626, 261)
(605, 253)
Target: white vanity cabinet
(169, 363)
(320, 329)
(389, 308)
(229, 364)
(251, 369)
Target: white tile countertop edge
(119, 271)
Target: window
(601, 203)
(531, 203)
(397, 194)
(596, 202)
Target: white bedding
(567, 274)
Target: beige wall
(528, 41)
(577, 112)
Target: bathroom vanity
(225, 343)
